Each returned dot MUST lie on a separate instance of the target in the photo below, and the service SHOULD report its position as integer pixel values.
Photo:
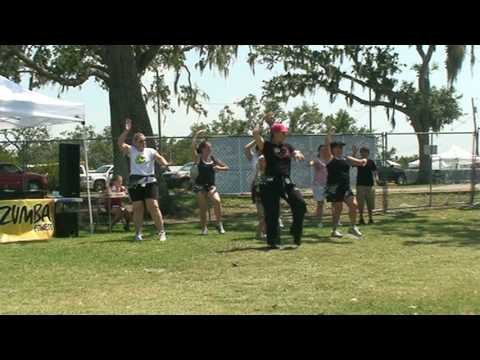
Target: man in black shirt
(278, 184)
(365, 185)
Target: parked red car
(14, 179)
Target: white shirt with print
(142, 162)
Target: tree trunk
(126, 101)
(425, 159)
(423, 121)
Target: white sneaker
(355, 231)
(204, 232)
(336, 234)
(138, 237)
(163, 236)
(280, 223)
(220, 228)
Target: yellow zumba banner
(26, 220)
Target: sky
(242, 81)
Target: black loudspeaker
(66, 224)
(69, 170)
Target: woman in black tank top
(338, 183)
(206, 174)
(206, 166)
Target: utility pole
(159, 111)
(475, 127)
(370, 107)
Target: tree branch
(189, 75)
(47, 73)
(373, 103)
(144, 59)
(421, 52)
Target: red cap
(279, 127)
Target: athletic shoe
(336, 234)
(138, 237)
(163, 236)
(361, 222)
(204, 232)
(280, 223)
(273, 246)
(355, 231)
(220, 229)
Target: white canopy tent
(21, 108)
(453, 158)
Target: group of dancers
(271, 160)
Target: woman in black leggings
(278, 184)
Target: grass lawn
(411, 263)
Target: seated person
(114, 191)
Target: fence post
(385, 183)
(240, 174)
(473, 177)
(431, 172)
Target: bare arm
(221, 167)
(258, 138)
(194, 146)
(248, 149)
(124, 147)
(326, 153)
(161, 160)
(356, 162)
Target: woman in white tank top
(143, 187)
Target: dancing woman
(278, 155)
(338, 182)
(143, 186)
(206, 166)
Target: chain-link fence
(450, 178)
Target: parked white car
(98, 179)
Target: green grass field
(410, 263)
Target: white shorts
(319, 192)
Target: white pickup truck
(98, 179)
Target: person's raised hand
(299, 156)
(268, 118)
(128, 124)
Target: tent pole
(87, 179)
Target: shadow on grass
(316, 239)
(249, 248)
(464, 233)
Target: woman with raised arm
(257, 160)
(278, 184)
(338, 183)
(206, 166)
(143, 186)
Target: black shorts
(338, 193)
(140, 193)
